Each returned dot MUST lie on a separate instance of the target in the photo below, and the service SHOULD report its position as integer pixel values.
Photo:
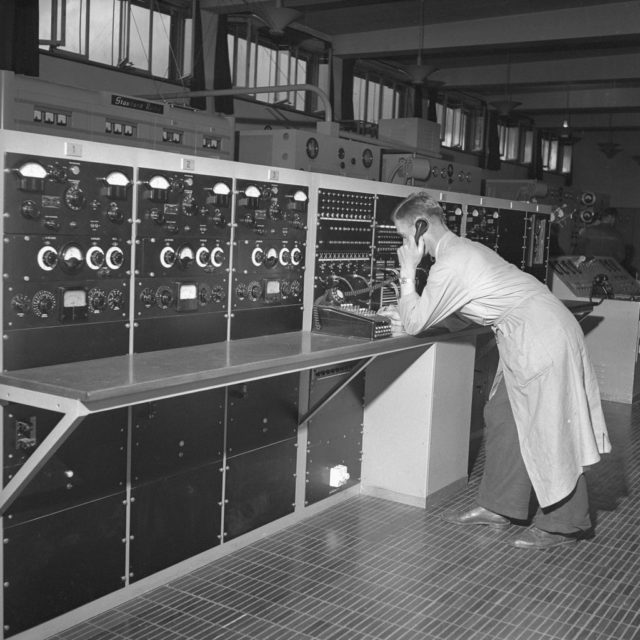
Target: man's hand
(410, 254)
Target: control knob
(189, 206)
(30, 210)
(74, 198)
(96, 300)
(202, 257)
(115, 299)
(57, 173)
(204, 294)
(285, 256)
(257, 256)
(164, 297)
(217, 256)
(167, 257)
(147, 297)
(21, 304)
(296, 256)
(114, 213)
(157, 216)
(43, 303)
(95, 257)
(47, 258)
(217, 294)
(114, 257)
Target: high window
(462, 123)
(259, 60)
(149, 38)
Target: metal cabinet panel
(260, 487)
(175, 518)
(90, 465)
(62, 561)
(174, 435)
(262, 412)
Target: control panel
(268, 257)
(597, 277)
(66, 263)
(182, 259)
(344, 244)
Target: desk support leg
(41, 455)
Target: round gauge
(271, 258)
(450, 170)
(21, 304)
(95, 257)
(312, 148)
(47, 258)
(71, 258)
(43, 303)
(367, 158)
(114, 257)
(74, 198)
(96, 300)
(185, 256)
(115, 299)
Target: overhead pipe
(238, 91)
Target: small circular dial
(21, 304)
(202, 257)
(114, 257)
(164, 297)
(217, 256)
(296, 256)
(115, 299)
(148, 298)
(96, 300)
(74, 198)
(43, 304)
(47, 258)
(167, 257)
(95, 257)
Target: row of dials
(270, 290)
(449, 171)
(186, 256)
(269, 257)
(167, 296)
(44, 303)
(72, 257)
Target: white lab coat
(550, 380)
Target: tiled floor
(369, 569)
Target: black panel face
(262, 412)
(483, 225)
(182, 259)
(248, 324)
(268, 257)
(512, 236)
(90, 464)
(182, 330)
(175, 518)
(335, 433)
(260, 487)
(174, 435)
(55, 564)
(68, 197)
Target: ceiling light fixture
(506, 106)
(277, 17)
(419, 72)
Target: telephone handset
(421, 228)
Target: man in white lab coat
(544, 420)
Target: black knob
(157, 215)
(30, 210)
(114, 214)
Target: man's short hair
(418, 206)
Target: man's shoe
(477, 515)
(534, 538)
